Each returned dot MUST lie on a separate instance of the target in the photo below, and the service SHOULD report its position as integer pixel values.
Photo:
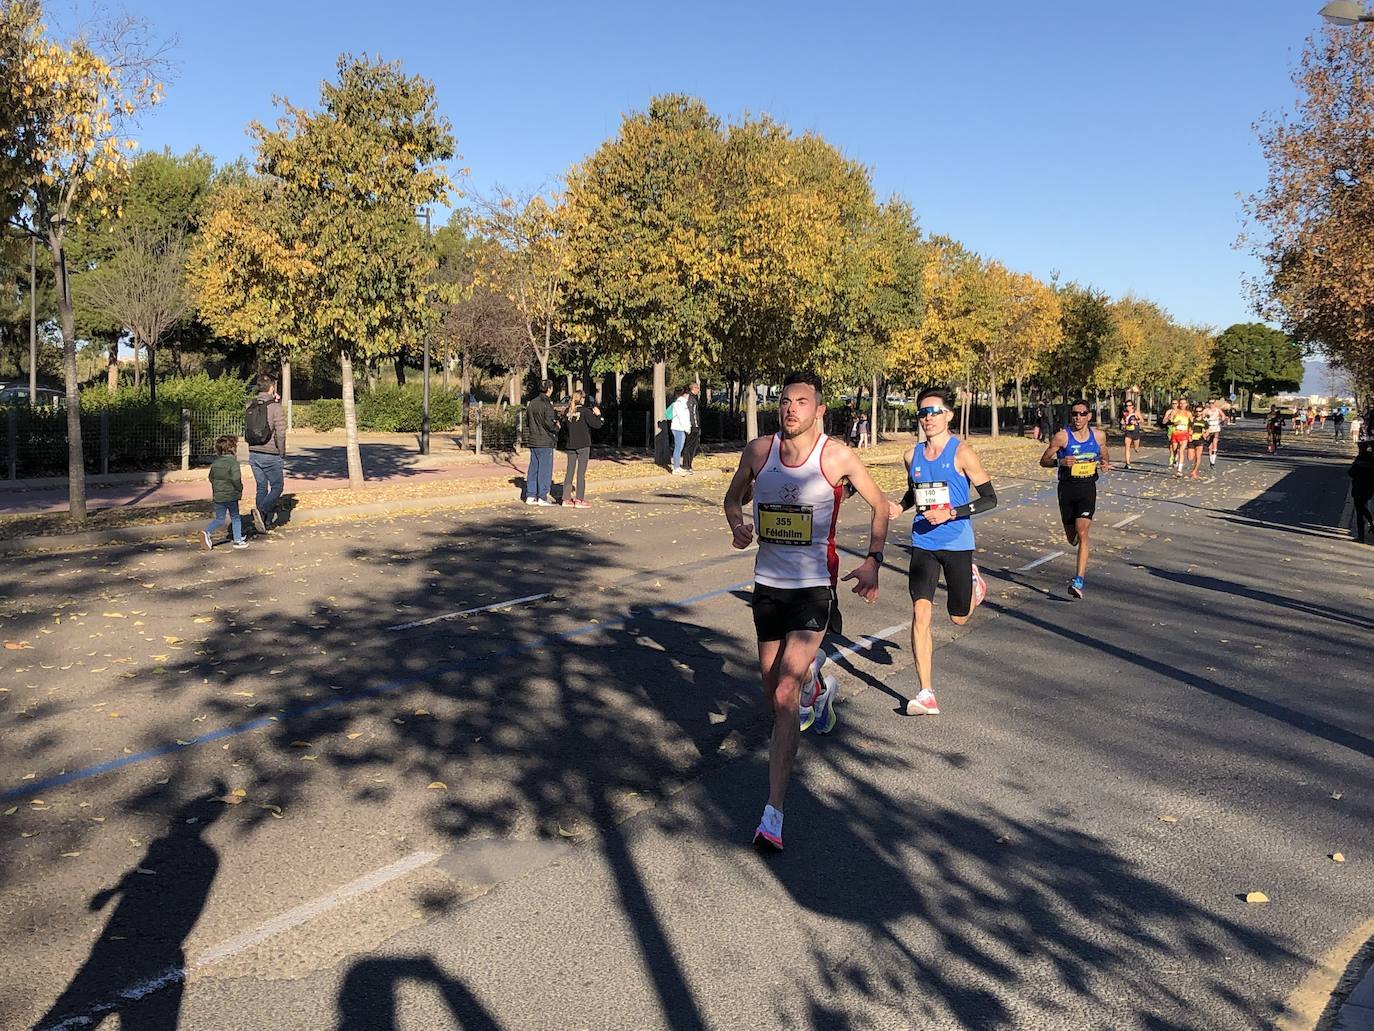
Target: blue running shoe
(825, 707)
(1076, 587)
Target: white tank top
(795, 509)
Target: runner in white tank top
(795, 510)
(795, 477)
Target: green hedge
(198, 393)
(385, 410)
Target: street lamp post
(1345, 13)
(424, 397)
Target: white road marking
(469, 612)
(1126, 521)
(1041, 561)
(865, 643)
(291, 918)
(309, 910)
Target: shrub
(385, 410)
(198, 393)
(324, 415)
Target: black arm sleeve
(986, 501)
(909, 498)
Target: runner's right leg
(783, 665)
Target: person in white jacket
(681, 415)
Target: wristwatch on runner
(877, 556)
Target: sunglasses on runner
(1081, 414)
(927, 412)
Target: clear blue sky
(1107, 141)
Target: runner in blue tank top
(938, 476)
(1079, 453)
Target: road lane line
(283, 922)
(865, 643)
(309, 910)
(469, 612)
(1024, 569)
(1128, 520)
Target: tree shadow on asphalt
(369, 1001)
(1297, 605)
(573, 715)
(136, 968)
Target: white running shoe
(809, 690)
(980, 587)
(825, 706)
(924, 704)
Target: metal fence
(119, 440)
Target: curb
(184, 528)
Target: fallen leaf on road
(1338, 857)
(437, 785)
(70, 855)
(565, 834)
(17, 646)
(27, 834)
(355, 735)
(11, 810)
(1168, 819)
(1256, 898)
(300, 744)
(165, 780)
(114, 615)
(1336, 795)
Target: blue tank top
(937, 482)
(1087, 454)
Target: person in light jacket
(582, 417)
(680, 412)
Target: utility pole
(33, 321)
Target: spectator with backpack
(264, 430)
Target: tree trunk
(465, 380)
(517, 386)
(1111, 406)
(112, 369)
(992, 395)
(286, 391)
(660, 394)
(874, 426)
(138, 367)
(619, 386)
(76, 465)
(569, 377)
(152, 374)
(751, 411)
(400, 364)
(1020, 402)
(355, 458)
(448, 360)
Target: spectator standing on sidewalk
(226, 488)
(681, 425)
(541, 433)
(264, 429)
(583, 417)
(693, 442)
(1362, 492)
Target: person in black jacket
(541, 433)
(1362, 491)
(582, 418)
(693, 442)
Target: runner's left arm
(846, 463)
(967, 462)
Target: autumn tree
(641, 221)
(1310, 225)
(64, 111)
(326, 245)
(1033, 326)
(935, 350)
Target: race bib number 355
(785, 524)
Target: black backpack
(257, 428)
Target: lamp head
(1343, 12)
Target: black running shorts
(957, 566)
(779, 612)
(1077, 500)
(1133, 435)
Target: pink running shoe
(980, 588)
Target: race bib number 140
(931, 494)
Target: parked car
(18, 394)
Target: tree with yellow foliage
(64, 109)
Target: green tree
(641, 222)
(1256, 358)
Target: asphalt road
(247, 792)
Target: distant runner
(1131, 426)
(939, 473)
(1197, 439)
(1179, 422)
(1273, 430)
(796, 477)
(1213, 414)
(1080, 453)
